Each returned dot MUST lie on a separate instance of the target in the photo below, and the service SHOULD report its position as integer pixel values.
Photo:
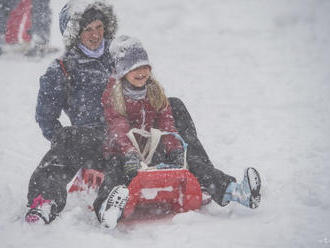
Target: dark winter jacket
(79, 97)
(139, 113)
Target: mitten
(132, 163)
(176, 157)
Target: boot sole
(255, 186)
(118, 203)
(34, 217)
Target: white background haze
(255, 76)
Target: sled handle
(153, 140)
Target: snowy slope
(255, 77)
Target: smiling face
(92, 35)
(139, 76)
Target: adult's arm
(51, 100)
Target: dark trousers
(72, 148)
(211, 179)
(41, 20)
(80, 147)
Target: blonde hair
(155, 94)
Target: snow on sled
(156, 191)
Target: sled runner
(156, 190)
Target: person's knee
(176, 103)
(179, 110)
(65, 132)
(71, 137)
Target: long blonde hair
(155, 94)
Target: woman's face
(139, 76)
(92, 35)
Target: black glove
(132, 163)
(176, 157)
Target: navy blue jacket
(81, 98)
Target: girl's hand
(176, 157)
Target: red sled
(155, 191)
(172, 191)
(19, 23)
(152, 193)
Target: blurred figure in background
(25, 26)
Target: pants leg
(73, 148)
(50, 179)
(113, 176)
(41, 20)
(214, 181)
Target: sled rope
(153, 138)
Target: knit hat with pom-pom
(128, 54)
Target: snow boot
(112, 208)
(247, 192)
(41, 211)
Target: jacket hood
(71, 15)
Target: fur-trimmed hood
(71, 15)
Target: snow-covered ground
(255, 76)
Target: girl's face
(92, 35)
(139, 76)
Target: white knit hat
(128, 54)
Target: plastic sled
(19, 23)
(152, 193)
(156, 191)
